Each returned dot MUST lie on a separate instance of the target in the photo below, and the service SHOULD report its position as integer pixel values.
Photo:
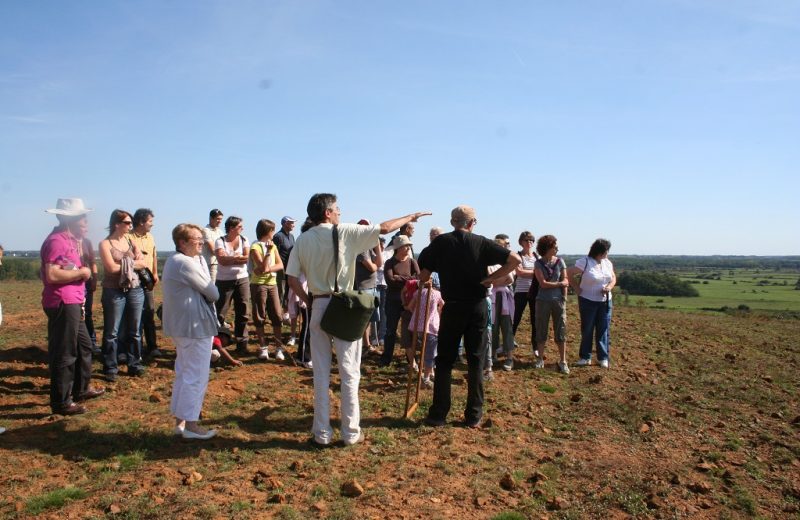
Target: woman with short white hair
(190, 319)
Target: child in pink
(430, 329)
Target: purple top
(61, 248)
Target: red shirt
(61, 248)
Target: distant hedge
(649, 283)
(19, 269)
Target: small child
(430, 329)
(219, 344)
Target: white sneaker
(604, 363)
(583, 363)
(279, 355)
(308, 364)
(2, 430)
(427, 382)
(563, 368)
(292, 341)
(263, 353)
(539, 363)
(215, 355)
(350, 442)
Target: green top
(266, 278)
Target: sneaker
(155, 353)
(427, 382)
(308, 364)
(350, 442)
(508, 364)
(563, 368)
(122, 358)
(215, 355)
(292, 341)
(279, 355)
(263, 353)
(499, 351)
(136, 371)
(535, 353)
(433, 423)
(286, 317)
(110, 377)
(604, 363)
(539, 363)
(584, 363)
(488, 375)
(413, 368)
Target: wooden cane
(411, 407)
(414, 335)
(429, 287)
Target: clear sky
(666, 126)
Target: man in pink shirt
(64, 276)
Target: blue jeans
(119, 306)
(595, 324)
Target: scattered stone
(537, 476)
(507, 482)
(436, 500)
(352, 488)
(557, 504)
(296, 465)
(155, 397)
(644, 428)
(705, 504)
(675, 479)
(776, 415)
(277, 498)
(559, 454)
(114, 509)
(730, 356)
(319, 507)
(705, 466)
(546, 431)
(491, 423)
(796, 421)
(654, 502)
(481, 501)
(680, 413)
(767, 379)
(595, 380)
(158, 500)
(485, 454)
(576, 397)
(545, 459)
(700, 487)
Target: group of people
(475, 289)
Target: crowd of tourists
(460, 293)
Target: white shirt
(211, 235)
(235, 271)
(595, 276)
(313, 255)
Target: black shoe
(136, 371)
(72, 409)
(433, 423)
(383, 363)
(122, 359)
(111, 378)
(474, 424)
(155, 353)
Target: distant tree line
(664, 262)
(650, 283)
(19, 269)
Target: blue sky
(669, 127)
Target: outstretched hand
(420, 214)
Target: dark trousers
(520, 302)
(239, 292)
(147, 330)
(89, 319)
(69, 352)
(304, 341)
(382, 308)
(395, 314)
(467, 319)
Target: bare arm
(297, 286)
(395, 223)
(368, 264)
(572, 276)
(260, 262)
(56, 274)
(544, 284)
(512, 262)
(109, 265)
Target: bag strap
(335, 233)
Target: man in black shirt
(461, 258)
(284, 241)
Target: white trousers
(348, 354)
(191, 377)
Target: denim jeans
(395, 314)
(122, 306)
(595, 324)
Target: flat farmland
(698, 417)
(759, 289)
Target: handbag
(146, 278)
(348, 312)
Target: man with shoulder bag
(326, 253)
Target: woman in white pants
(190, 319)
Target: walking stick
(411, 407)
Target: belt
(320, 296)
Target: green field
(758, 289)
